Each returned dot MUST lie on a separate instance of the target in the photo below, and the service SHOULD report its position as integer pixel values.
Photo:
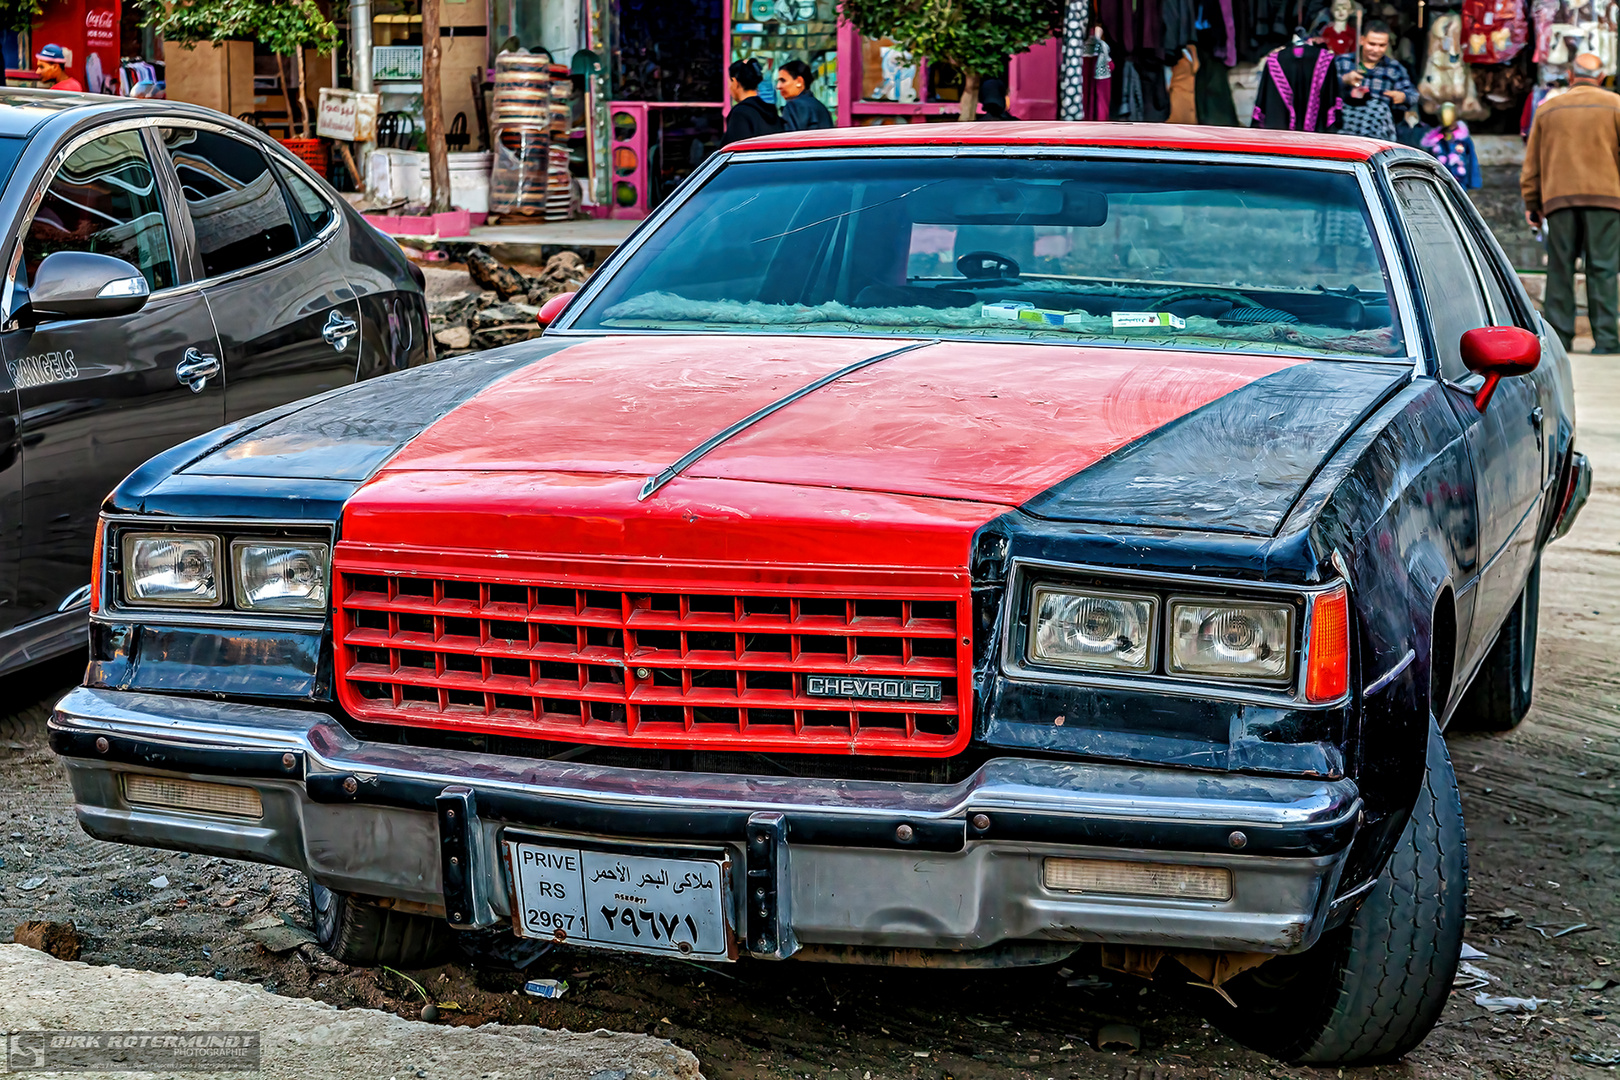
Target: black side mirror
(83, 285)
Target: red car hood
(894, 464)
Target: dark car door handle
(339, 329)
(195, 369)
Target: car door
(288, 321)
(97, 397)
(1504, 442)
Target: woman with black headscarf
(749, 115)
(802, 111)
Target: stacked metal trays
(532, 109)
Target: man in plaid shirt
(1375, 86)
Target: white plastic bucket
(469, 181)
(397, 174)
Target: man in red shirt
(51, 64)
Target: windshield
(1246, 257)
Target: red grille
(659, 669)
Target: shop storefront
(89, 33)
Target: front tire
(1371, 990)
(1500, 694)
(359, 934)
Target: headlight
(280, 576)
(1235, 641)
(171, 568)
(1089, 629)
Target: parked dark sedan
(169, 270)
(951, 545)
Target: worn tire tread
(370, 936)
(1372, 989)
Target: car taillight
(1327, 667)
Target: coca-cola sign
(100, 27)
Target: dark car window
(314, 211)
(1450, 288)
(1247, 257)
(1501, 307)
(236, 206)
(104, 199)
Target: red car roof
(1053, 133)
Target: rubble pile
(502, 306)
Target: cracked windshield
(1264, 259)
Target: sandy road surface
(1542, 804)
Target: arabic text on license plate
(645, 903)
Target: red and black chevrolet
(960, 545)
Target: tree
(433, 111)
(285, 27)
(973, 36)
(20, 15)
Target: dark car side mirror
(1499, 352)
(84, 285)
(553, 308)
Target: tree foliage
(20, 15)
(285, 27)
(974, 36)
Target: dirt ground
(1542, 805)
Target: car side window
(1451, 290)
(236, 206)
(314, 211)
(104, 199)
(1502, 310)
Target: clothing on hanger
(1299, 90)
(1130, 106)
(1072, 81)
(1099, 78)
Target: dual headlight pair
(185, 570)
(1242, 640)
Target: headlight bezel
(1175, 669)
(1019, 664)
(111, 599)
(240, 600)
(128, 544)
(1031, 646)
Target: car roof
(24, 110)
(1055, 133)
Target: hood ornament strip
(691, 456)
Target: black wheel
(1371, 990)
(364, 935)
(1499, 696)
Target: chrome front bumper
(846, 863)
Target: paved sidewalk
(308, 1040)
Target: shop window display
(773, 32)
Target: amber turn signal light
(1327, 668)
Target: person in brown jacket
(1571, 187)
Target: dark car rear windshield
(1253, 258)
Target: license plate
(636, 900)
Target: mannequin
(1340, 33)
(1411, 131)
(1451, 143)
